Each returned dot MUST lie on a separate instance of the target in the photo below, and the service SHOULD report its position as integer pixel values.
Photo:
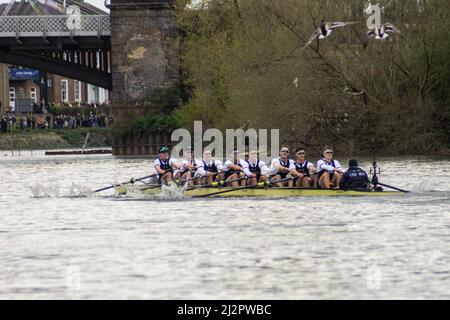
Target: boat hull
(275, 192)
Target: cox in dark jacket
(355, 178)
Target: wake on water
(131, 191)
(74, 191)
(172, 192)
(168, 192)
(424, 186)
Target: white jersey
(323, 165)
(184, 162)
(229, 163)
(278, 162)
(261, 165)
(298, 165)
(204, 165)
(171, 162)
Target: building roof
(24, 8)
(49, 7)
(86, 8)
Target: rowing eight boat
(273, 192)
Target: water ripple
(108, 247)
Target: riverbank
(51, 139)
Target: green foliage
(241, 58)
(163, 100)
(153, 123)
(76, 137)
(79, 111)
(151, 114)
(55, 139)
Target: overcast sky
(97, 3)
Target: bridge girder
(38, 60)
(48, 44)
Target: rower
(188, 167)
(255, 168)
(304, 173)
(354, 178)
(209, 168)
(281, 169)
(165, 166)
(234, 170)
(330, 170)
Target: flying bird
(295, 82)
(382, 32)
(325, 29)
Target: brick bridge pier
(144, 58)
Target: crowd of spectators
(50, 117)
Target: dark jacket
(354, 179)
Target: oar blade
(124, 183)
(393, 188)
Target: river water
(66, 246)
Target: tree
(246, 65)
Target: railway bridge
(131, 51)
(47, 43)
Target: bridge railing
(54, 26)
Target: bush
(153, 123)
(78, 110)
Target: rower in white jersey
(210, 169)
(188, 168)
(304, 173)
(281, 168)
(255, 170)
(234, 170)
(165, 166)
(329, 170)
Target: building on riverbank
(21, 87)
(4, 88)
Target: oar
(193, 179)
(213, 185)
(149, 187)
(394, 188)
(127, 182)
(259, 185)
(178, 183)
(216, 184)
